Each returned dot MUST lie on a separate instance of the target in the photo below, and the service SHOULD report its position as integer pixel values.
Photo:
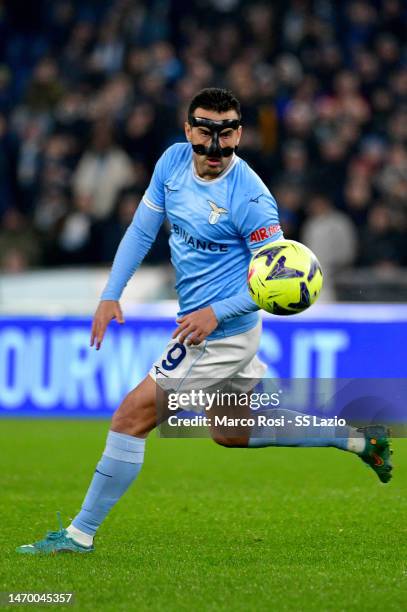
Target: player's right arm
(133, 247)
(105, 312)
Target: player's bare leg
(137, 414)
(230, 437)
(371, 444)
(119, 466)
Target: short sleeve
(256, 216)
(154, 196)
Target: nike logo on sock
(108, 475)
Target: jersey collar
(221, 176)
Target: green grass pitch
(207, 528)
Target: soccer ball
(284, 277)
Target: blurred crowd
(92, 92)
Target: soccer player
(220, 212)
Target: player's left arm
(257, 221)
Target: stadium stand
(92, 92)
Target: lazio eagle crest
(215, 213)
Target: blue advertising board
(48, 369)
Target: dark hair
(215, 99)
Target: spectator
(323, 87)
(45, 89)
(19, 245)
(106, 234)
(291, 208)
(6, 167)
(392, 180)
(140, 138)
(381, 245)
(102, 172)
(295, 167)
(329, 234)
(357, 199)
(107, 55)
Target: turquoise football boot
(377, 453)
(53, 543)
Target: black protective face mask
(215, 127)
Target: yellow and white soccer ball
(284, 277)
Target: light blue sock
(119, 466)
(345, 437)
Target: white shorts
(233, 357)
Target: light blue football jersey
(215, 227)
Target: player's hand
(106, 311)
(196, 326)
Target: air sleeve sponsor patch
(264, 232)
